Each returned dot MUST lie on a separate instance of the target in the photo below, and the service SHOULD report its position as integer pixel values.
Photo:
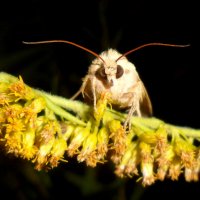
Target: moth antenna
(67, 42)
(150, 44)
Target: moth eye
(101, 72)
(120, 71)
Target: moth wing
(145, 103)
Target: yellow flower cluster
(37, 126)
(24, 130)
(160, 157)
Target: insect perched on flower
(112, 73)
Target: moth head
(109, 71)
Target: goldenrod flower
(12, 142)
(79, 135)
(67, 130)
(102, 143)
(57, 151)
(88, 151)
(40, 127)
(18, 90)
(4, 99)
(164, 161)
(175, 169)
(42, 155)
(129, 162)
(118, 138)
(147, 163)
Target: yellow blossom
(185, 151)
(88, 151)
(67, 130)
(19, 90)
(192, 174)
(2, 116)
(175, 168)
(28, 149)
(147, 172)
(12, 112)
(13, 142)
(100, 107)
(128, 163)
(15, 125)
(41, 159)
(57, 152)
(118, 136)
(47, 132)
(79, 135)
(4, 99)
(32, 108)
(145, 152)
(146, 164)
(41, 127)
(164, 160)
(102, 143)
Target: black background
(169, 74)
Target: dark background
(170, 75)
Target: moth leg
(76, 94)
(127, 123)
(93, 83)
(135, 108)
(82, 89)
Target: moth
(111, 72)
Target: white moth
(112, 72)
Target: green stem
(61, 112)
(152, 124)
(77, 107)
(190, 132)
(59, 104)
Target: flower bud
(88, 152)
